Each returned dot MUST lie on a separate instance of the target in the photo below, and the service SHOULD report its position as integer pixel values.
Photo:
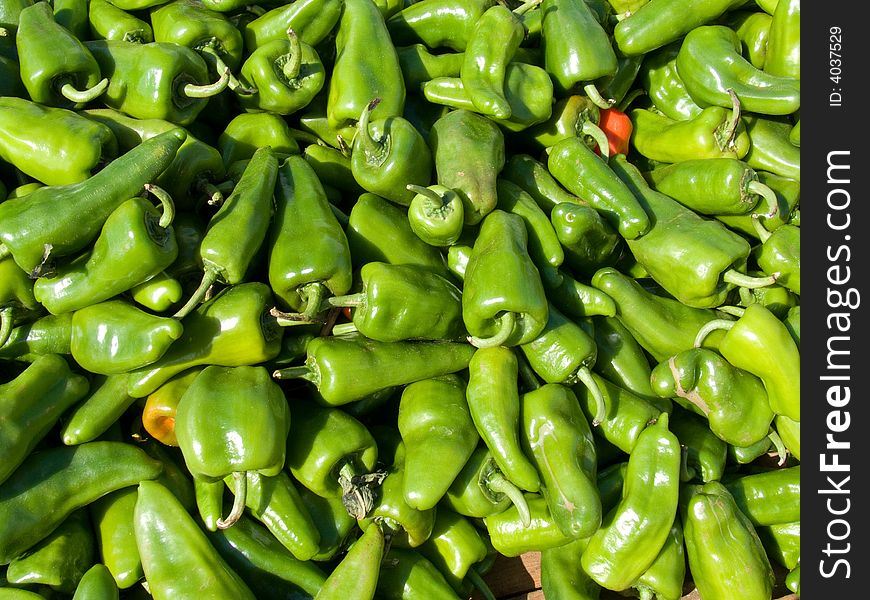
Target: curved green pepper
(247, 132)
(356, 575)
(456, 548)
(57, 69)
(571, 116)
(664, 579)
(106, 401)
(513, 534)
(560, 577)
(312, 20)
(97, 582)
(537, 181)
(332, 520)
(753, 29)
(633, 533)
(790, 433)
(438, 23)
(17, 301)
(753, 494)
(407, 575)
(419, 65)
(575, 299)
(783, 56)
(770, 148)
(588, 241)
(68, 218)
(49, 334)
(621, 360)
(705, 453)
(723, 550)
(439, 435)
(780, 253)
(159, 293)
(712, 67)
(112, 518)
(659, 77)
(760, 343)
(545, 248)
(109, 22)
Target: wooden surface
(520, 579)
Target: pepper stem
(209, 277)
(709, 327)
(526, 7)
(210, 49)
(291, 63)
(499, 484)
(743, 280)
(6, 314)
(767, 194)
(596, 133)
(357, 495)
(193, 90)
(313, 294)
(730, 131)
(352, 300)
(297, 372)
(506, 323)
(240, 480)
(4, 251)
(205, 187)
(424, 191)
(644, 592)
(69, 91)
(737, 311)
(166, 203)
(344, 329)
(370, 145)
(285, 319)
(477, 581)
(781, 450)
(597, 99)
(584, 375)
(762, 231)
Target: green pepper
(242, 404)
(225, 256)
(782, 542)
(17, 302)
(312, 20)
(61, 147)
(577, 49)
(712, 67)
(770, 148)
(419, 65)
(136, 242)
(503, 299)
(49, 485)
(588, 241)
(714, 132)
(556, 436)
(68, 218)
(780, 253)
(715, 186)
(97, 582)
(575, 299)
(753, 29)
(193, 172)
(404, 302)
(760, 343)
(157, 294)
(527, 89)
(61, 559)
(388, 154)
(332, 520)
(49, 334)
(437, 24)
(658, 23)
(793, 580)
(633, 533)
(10, 77)
(286, 74)
(621, 360)
(788, 196)
(537, 181)
(705, 452)
(560, 577)
(407, 575)
(112, 518)
(586, 175)
(790, 433)
(664, 578)
(469, 151)
(753, 494)
(733, 400)
(366, 66)
(439, 437)
(349, 367)
(379, 231)
(31, 405)
(247, 132)
(571, 116)
(114, 336)
(658, 75)
(723, 550)
(456, 548)
(268, 568)
(308, 253)
(663, 326)
(177, 557)
(106, 401)
(233, 328)
(436, 214)
(512, 535)
(356, 575)
(57, 68)
(109, 22)
(494, 401)
(545, 248)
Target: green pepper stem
(344, 328)
(313, 294)
(291, 63)
(424, 191)
(737, 311)
(781, 450)
(352, 300)
(192, 90)
(297, 372)
(69, 91)
(240, 481)
(526, 7)
(287, 319)
(6, 319)
(203, 186)
(686, 473)
(709, 327)
(210, 49)
(166, 204)
(500, 484)
(644, 592)
(762, 231)
(767, 194)
(4, 251)
(596, 133)
(730, 131)
(478, 582)
(597, 99)
(134, 35)
(743, 280)
(506, 323)
(369, 144)
(584, 375)
(209, 277)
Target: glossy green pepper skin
(17, 302)
(240, 403)
(114, 336)
(436, 215)
(247, 132)
(571, 116)
(503, 298)
(405, 302)
(61, 146)
(420, 65)
(587, 239)
(388, 154)
(112, 519)
(49, 334)
(170, 539)
(356, 575)
(664, 578)
(770, 148)
(512, 535)
(109, 22)
(659, 77)
(537, 181)
(456, 548)
(481, 489)
(439, 435)
(620, 358)
(705, 452)
(783, 56)
(634, 532)
(575, 299)
(753, 29)
(753, 492)
(441, 24)
(545, 249)
(560, 577)
(407, 575)
(192, 24)
(97, 582)
(136, 242)
(106, 401)
(558, 438)
(312, 20)
(70, 217)
(722, 547)
(710, 64)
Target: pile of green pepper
(349, 298)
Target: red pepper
(617, 127)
